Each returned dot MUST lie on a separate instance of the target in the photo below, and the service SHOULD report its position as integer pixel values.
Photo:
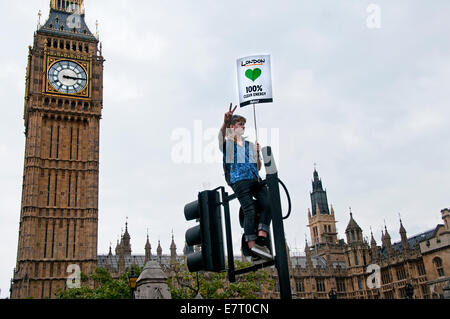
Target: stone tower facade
(63, 105)
(321, 221)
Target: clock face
(67, 77)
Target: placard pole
(254, 117)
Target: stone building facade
(120, 262)
(352, 267)
(63, 107)
(356, 268)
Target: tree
(186, 285)
(106, 287)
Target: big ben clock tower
(63, 104)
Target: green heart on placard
(253, 74)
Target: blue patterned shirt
(242, 161)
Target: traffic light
(208, 233)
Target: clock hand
(73, 78)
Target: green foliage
(106, 287)
(186, 285)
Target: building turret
(373, 247)
(446, 218)
(318, 196)
(159, 251)
(118, 248)
(309, 264)
(405, 243)
(108, 265)
(317, 209)
(387, 242)
(321, 223)
(173, 251)
(148, 250)
(353, 231)
(126, 245)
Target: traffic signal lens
(191, 210)
(194, 236)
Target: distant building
(337, 264)
(334, 264)
(120, 262)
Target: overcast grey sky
(368, 105)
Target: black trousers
(245, 191)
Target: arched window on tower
(437, 261)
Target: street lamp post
(132, 278)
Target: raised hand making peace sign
(229, 114)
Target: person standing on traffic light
(241, 163)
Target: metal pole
(278, 229)
(254, 117)
(226, 208)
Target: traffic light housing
(208, 233)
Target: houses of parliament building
(341, 265)
(59, 206)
